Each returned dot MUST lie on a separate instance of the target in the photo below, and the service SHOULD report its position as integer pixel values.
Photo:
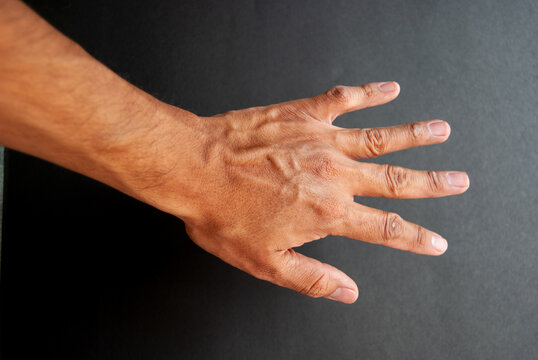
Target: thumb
(314, 278)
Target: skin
(251, 185)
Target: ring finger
(373, 142)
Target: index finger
(343, 99)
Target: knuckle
(275, 111)
(396, 179)
(392, 226)
(329, 209)
(420, 240)
(319, 287)
(324, 166)
(416, 130)
(339, 94)
(375, 142)
(367, 91)
(434, 182)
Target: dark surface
(88, 273)
(1, 190)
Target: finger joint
(434, 182)
(339, 94)
(392, 227)
(420, 240)
(319, 287)
(367, 91)
(396, 179)
(375, 142)
(416, 130)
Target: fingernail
(344, 295)
(388, 86)
(439, 128)
(439, 243)
(458, 179)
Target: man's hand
(251, 185)
(270, 179)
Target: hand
(251, 185)
(273, 178)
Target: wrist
(158, 159)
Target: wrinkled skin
(273, 178)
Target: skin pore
(251, 185)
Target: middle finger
(368, 143)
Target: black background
(88, 273)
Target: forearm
(60, 104)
